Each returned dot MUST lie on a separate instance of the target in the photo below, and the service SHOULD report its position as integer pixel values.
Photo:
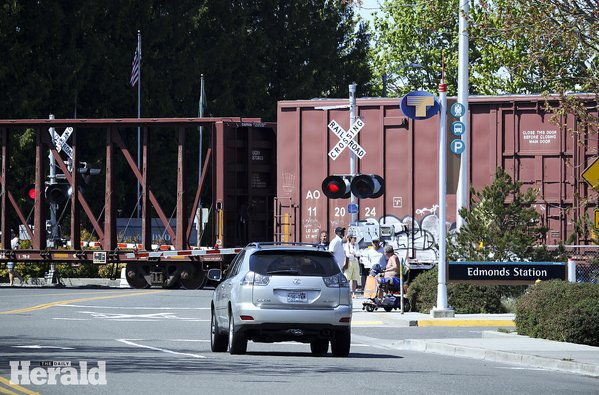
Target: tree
(73, 59)
(501, 224)
(515, 47)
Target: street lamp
(387, 74)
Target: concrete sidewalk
(420, 319)
(515, 349)
(509, 348)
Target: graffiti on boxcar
(288, 182)
(421, 236)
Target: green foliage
(501, 225)
(464, 298)
(108, 271)
(252, 53)
(516, 46)
(558, 310)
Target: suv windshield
(294, 263)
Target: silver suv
(281, 292)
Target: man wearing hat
(336, 247)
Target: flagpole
(201, 105)
(138, 128)
(200, 115)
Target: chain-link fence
(586, 258)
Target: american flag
(135, 67)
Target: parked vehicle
(275, 292)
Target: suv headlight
(252, 278)
(336, 281)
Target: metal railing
(586, 258)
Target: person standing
(336, 247)
(323, 240)
(376, 257)
(14, 244)
(352, 272)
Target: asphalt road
(156, 341)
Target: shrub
(464, 298)
(562, 311)
(108, 270)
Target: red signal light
(332, 187)
(336, 187)
(31, 193)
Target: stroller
(383, 292)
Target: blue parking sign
(458, 128)
(457, 146)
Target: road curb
(502, 356)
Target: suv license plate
(297, 297)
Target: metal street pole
(52, 179)
(463, 193)
(50, 276)
(442, 309)
(352, 157)
(201, 115)
(138, 128)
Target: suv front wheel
(341, 342)
(238, 343)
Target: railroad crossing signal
(363, 186)
(60, 141)
(346, 139)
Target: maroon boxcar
(513, 132)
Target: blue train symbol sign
(457, 110)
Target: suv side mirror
(215, 274)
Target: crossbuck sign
(60, 141)
(346, 139)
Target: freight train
(265, 181)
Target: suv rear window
(294, 263)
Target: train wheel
(135, 276)
(172, 277)
(193, 277)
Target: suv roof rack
(259, 245)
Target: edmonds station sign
(506, 272)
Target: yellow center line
(71, 301)
(16, 387)
(5, 391)
(60, 294)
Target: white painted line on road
(141, 317)
(134, 307)
(519, 368)
(37, 347)
(70, 319)
(190, 340)
(159, 349)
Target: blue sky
(368, 7)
